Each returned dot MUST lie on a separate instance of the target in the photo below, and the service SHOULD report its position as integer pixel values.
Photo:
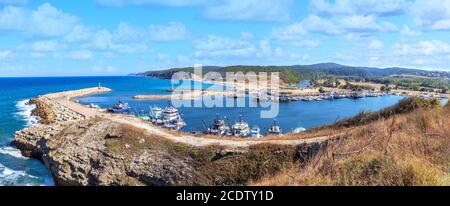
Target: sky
(118, 37)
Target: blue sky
(116, 37)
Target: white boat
(275, 129)
(255, 132)
(240, 129)
(172, 119)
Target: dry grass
(404, 149)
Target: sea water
(16, 115)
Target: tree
(321, 90)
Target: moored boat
(275, 129)
(172, 119)
(240, 128)
(120, 108)
(219, 127)
(255, 132)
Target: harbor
(237, 125)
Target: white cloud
(81, 55)
(45, 46)
(358, 7)
(317, 24)
(127, 33)
(376, 44)
(49, 21)
(103, 40)
(216, 46)
(250, 10)
(13, 18)
(176, 3)
(45, 21)
(432, 14)
(172, 31)
(5, 54)
(294, 31)
(427, 48)
(358, 23)
(407, 32)
(307, 43)
(79, 33)
(333, 26)
(265, 47)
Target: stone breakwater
(50, 109)
(69, 95)
(83, 146)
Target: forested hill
(295, 73)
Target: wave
(11, 151)
(12, 177)
(24, 112)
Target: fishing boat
(120, 107)
(172, 119)
(218, 127)
(255, 132)
(275, 129)
(240, 128)
(155, 115)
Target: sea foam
(10, 177)
(11, 151)
(24, 112)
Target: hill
(296, 73)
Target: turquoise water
(17, 170)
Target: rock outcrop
(97, 152)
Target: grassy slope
(403, 149)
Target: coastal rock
(157, 168)
(78, 153)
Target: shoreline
(309, 92)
